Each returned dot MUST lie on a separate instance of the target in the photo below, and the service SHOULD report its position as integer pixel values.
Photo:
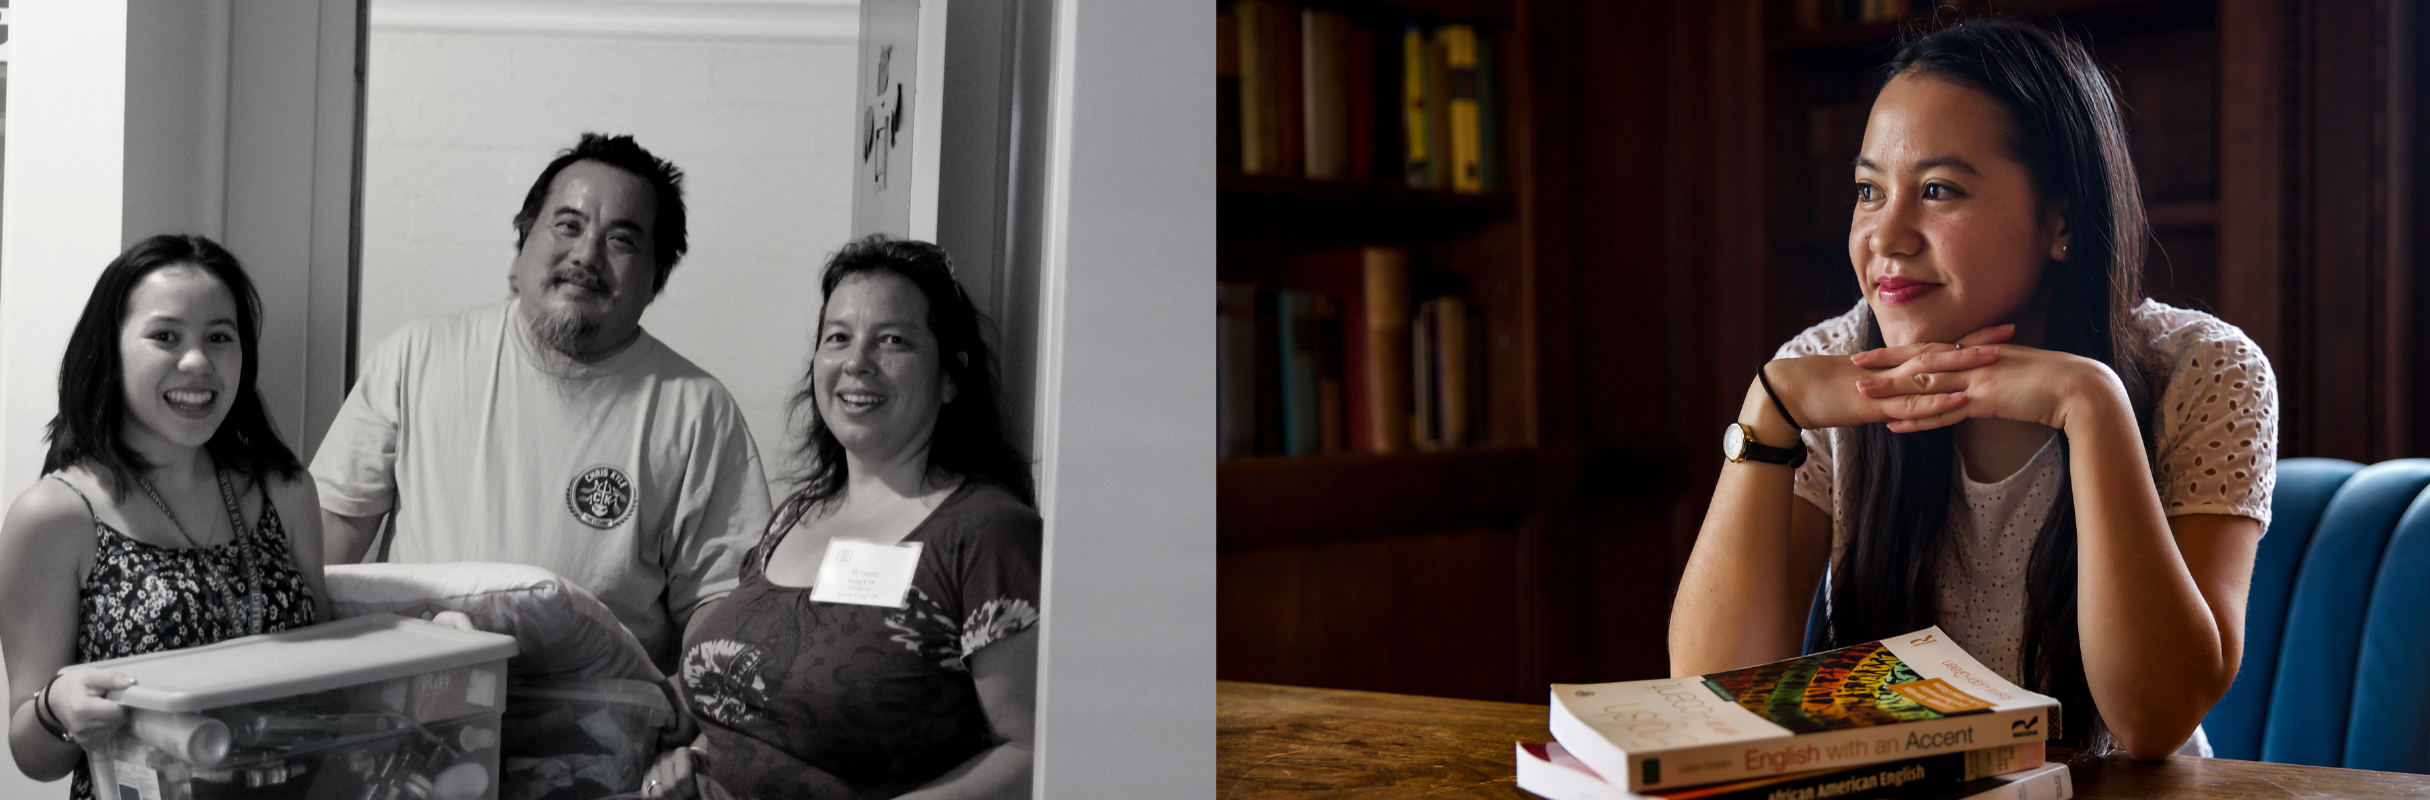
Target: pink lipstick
(1897, 290)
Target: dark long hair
(969, 440)
(2063, 126)
(92, 381)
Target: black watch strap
(1794, 457)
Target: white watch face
(1734, 442)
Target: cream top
(2217, 454)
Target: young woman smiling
(2005, 438)
(170, 514)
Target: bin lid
(316, 658)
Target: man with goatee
(550, 429)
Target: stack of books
(1911, 717)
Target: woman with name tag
(169, 515)
(2005, 438)
(883, 642)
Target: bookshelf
(1322, 555)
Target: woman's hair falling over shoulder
(971, 439)
(2063, 125)
(92, 379)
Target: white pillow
(561, 628)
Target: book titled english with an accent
(1898, 698)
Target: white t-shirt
(634, 477)
(2217, 447)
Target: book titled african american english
(1991, 773)
(1899, 698)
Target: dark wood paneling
(1626, 353)
(2256, 84)
(2182, 268)
(1435, 613)
(2335, 391)
(1630, 554)
(1270, 500)
(2408, 170)
(1549, 597)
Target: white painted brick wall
(458, 124)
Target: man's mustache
(590, 278)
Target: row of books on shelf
(1310, 92)
(1339, 360)
(1911, 717)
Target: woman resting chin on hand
(1979, 436)
(799, 697)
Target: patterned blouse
(144, 598)
(806, 699)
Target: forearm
(1002, 771)
(2155, 654)
(346, 539)
(40, 755)
(1734, 606)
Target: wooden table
(1285, 740)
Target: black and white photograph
(526, 399)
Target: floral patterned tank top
(144, 598)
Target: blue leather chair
(2339, 611)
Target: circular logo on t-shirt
(602, 497)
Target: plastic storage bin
(372, 708)
(576, 738)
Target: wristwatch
(1738, 444)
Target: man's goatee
(564, 330)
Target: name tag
(865, 573)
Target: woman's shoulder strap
(88, 502)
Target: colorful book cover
(1899, 698)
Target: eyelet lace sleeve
(2217, 443)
